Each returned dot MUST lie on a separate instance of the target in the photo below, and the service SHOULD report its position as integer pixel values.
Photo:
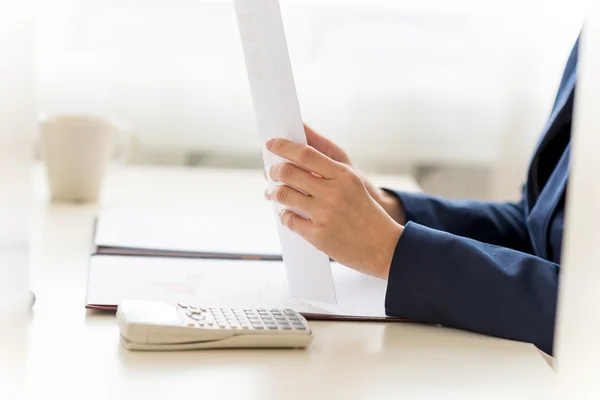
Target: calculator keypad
(261, 319)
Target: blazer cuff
(415, 276)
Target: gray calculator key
(289, 311)
(182, 305)
(300, 327)
(272, 326)
(257, 326)
(286, 327)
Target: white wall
(398, 83)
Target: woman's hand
(325, 146)
(343, 219)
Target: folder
(227, 283)
(148, 233)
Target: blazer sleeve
(441, 278)
(501, 224)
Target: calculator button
(300, 328)
(286, 327)
(272, 326)
(210, 323)
(261, 309)
(289, 311)
(182, 305)
(257, 326)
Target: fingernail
(269, 143)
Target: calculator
(153, 325)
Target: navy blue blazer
(491, 268)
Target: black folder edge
(141, 252)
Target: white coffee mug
(76, 150)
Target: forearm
(501, 224)
(445, 279)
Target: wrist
(385, 256)
(391, 204)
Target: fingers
(306, 157)
(296, 223)
(296, 177)
(293, 199)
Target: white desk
(75, 354)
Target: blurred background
(454, 92)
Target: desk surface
(75, 354)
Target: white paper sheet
(225, 283)
(278, 115)
(202, 233)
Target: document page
(226, 283)
(278, 115)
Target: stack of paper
(227, 283)
(186, 235)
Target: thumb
(314, 139)
(324, 145)
(319, 142)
